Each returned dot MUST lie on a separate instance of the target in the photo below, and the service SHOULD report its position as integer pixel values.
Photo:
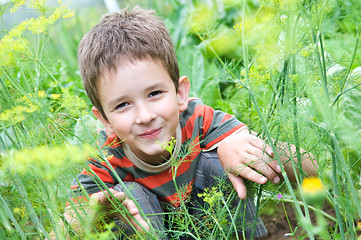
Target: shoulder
(195, 106)
(106, 139)
(195, 100)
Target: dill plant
(273, 64)
(291, 93)
(37, 118)
(294, 88)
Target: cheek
(122, 126)
(171, 113)
(169, 108)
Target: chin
(156, 152)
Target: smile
(151, 134)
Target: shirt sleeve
(96, 175)
(212, 125)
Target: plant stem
(33, 216)
(234, 219)
(337, 195)
(285, 177)
(9, 214)
(257, 210)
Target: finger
(261, 144)
(249, 173)
(95, 198)
(267, 158)
(134, 211)
(130, 206)
(238, 185)
(261, 166)
(274, 165)
(141, 221)
(120, 196)
(259, 152)
(259, 157)
(106, 197)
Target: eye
(121, 106)
(155, 94)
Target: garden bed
(279, 227)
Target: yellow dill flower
(41, 94)
(20, 211)
(13, 44)
(17, 4)
(25, 100)
(168, 145)
(211, 195)
(17, 113)
(74, 105)
(240, 27)
(62, 11)
(313, 190)
(46, 162)
(55, 96)
(25, 105)
(18, 30)
(258, 75)
(38, 25)
(38, 4)
(306, 51)
(10, 48)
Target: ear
(183, 93)
(104, 121)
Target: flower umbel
(47, 162)
(14, 43)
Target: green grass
(286, 71)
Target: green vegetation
(289, 69)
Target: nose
(144, 114)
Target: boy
(130, 73)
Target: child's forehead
(110, 73)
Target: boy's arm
(102, 199)
(244, 155)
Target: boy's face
(142, 107)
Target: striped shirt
(200, 128)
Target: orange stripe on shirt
(175, 198)
(207, 121)
(187, 130)
(226, 117)
(116, 162)
(101, 173)
(210, 144)
(158, 180)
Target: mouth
(151, 134)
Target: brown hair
(124, 37)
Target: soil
(278, 227)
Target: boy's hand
(103, 199)
(244, 155)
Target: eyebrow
(113, 101)
(120, 99)
(157, 85)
